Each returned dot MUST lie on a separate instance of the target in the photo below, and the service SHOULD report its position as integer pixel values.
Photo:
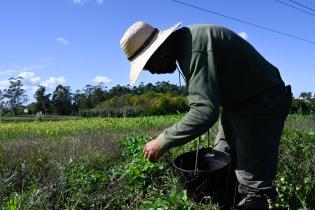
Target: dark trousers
(251, 136)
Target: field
(98, 164)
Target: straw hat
(139, 43)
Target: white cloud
(243, 35)
(31, 81)
(63, 41)
(53, 81)
(29, 77)
(103, 79)
(4, 84)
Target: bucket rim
(201, 171)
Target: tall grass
(304, 122)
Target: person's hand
(152, 151)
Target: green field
(98, 164)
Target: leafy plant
(295, 180)
(99, 164)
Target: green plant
(295, 180)
(99, 164)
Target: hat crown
(135, 37)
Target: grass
(98, 164)
(45, 167)
(56, 129)
(304, 122)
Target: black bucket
(208, 181)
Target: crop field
(98, 163)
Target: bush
(112, 112)
(166, 105)
(148, 104)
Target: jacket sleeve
(203, 97)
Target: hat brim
(137, 65)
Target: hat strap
(145, 44)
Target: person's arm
(203, 96)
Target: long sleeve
(203, 96)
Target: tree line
(98, 100)
(62, 101)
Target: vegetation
(2, 103)
(49, 161)
(163, 97)
(120, 101)
(42, 100)
(51, 129)
(147, 104)
(98, 164)
(15, 94)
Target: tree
(15, 94)
(313, 104)
(306, 95)
(42, 100)
(80, 101)
(94, 95)
(2, 102)
(118, 90)
(97, 95)
(61, 100)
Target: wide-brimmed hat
(139, 43)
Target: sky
(76, 42)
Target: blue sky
(76, 42)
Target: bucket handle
(197, 151)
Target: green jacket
(220, 69)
